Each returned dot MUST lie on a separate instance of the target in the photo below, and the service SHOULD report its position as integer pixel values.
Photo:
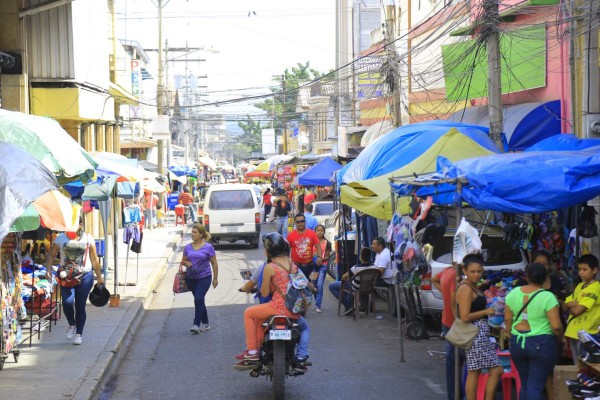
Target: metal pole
(160, 90)
(457, 372)
(397, 279)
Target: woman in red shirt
(267, 203)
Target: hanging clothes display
(11, 304)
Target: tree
(252, 136)
(280, 109)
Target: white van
(232, 212)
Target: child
(584, 304)
(318, 276)
(160, 217)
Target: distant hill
(233, 128)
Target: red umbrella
(258, 174)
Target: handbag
(462, 334)
(179, 285)
(69, 275)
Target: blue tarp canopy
(528, 182)
(564, 142)
(403, 145)
(319, 174)
(524, 124)
(183, 170)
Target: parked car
(333, 226)
(231, 212)
(322, 210)
(497, 253)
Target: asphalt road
(351, 359)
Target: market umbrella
(23, 179)
(270, 163)
(49, 143)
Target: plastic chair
(506, 377)
(368, 277)
(179, 214)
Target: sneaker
(318, 310)
(77, 339)
(248, 356)
(241, 355)
(204, 327)
(245, 365)
(70, 332)
(349, 311)
(195, 329)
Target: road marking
(435, 387)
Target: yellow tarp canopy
(373, 196)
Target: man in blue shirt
(311, 222)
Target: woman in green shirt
(533, 320)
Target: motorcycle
(277, 356)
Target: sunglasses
(300, 221)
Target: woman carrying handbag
(472, 309)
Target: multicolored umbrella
(49, 143)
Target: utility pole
(283, 118)
(490, 29)
(160, 89)
(393, 64)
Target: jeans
(74, 299)
(302, 347)
(450, 370)
(192, 211)
(335, 289)
(199, 288)
(282, 226)
(319, 284)
(267, 211)
(535, 363)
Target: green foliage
(252, 136)
(283, 104)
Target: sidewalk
(53, 368)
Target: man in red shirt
(445, 282)
(187, 200)
(302, 241)
(267, 203)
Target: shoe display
(78, 340)
(204, 327)
(70, 332)
(195, 329)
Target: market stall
(549, 182)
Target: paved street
(351, 359)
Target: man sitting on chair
(335, 287)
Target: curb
(110, 357)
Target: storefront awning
(121, 95)
(524, 124)
(137, 143)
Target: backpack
(298, 296)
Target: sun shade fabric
(100, 190)
(373, 196)
(319, 174)
(524, 124)
(564, 142)
(403, 145)
(258, 174)
(523, 65)
(547, 180)
(23, 179)
(49, 143)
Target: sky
(255, 40)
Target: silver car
(497, 253)
(322, 210)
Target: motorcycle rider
(275, 274)
(303, 327)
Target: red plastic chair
(506, 380)
(179, 214)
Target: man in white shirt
(349, 278)
(383, 261)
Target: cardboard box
(561, 374)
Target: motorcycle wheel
(278, 371)
(332, 266)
